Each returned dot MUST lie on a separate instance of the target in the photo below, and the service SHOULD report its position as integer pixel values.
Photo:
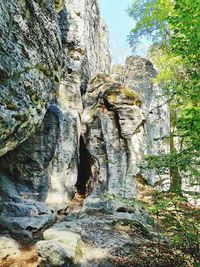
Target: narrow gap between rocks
(84, 170)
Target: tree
(173, 27)
(151, 21)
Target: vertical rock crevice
(84, 168)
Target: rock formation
(66, 125)
(72, 127)
(56, 55)
(30, 70)
(138, 74)
(113, 123)
(31, 60)
(69, 125)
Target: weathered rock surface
(60, 247)
(137, 73)
(44, 168)
(30, 70)
(66, 134)
(66, 126)
(84, 37)
(18, 213)
(8, 247)
(30, 61)
(93, 228)
(113, 130)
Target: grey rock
(44, 168)
(28, 163)
(45, 163)
(94, 229)
(137, 73)
(84, 35)
(30, 67)
(52, 253)
(113, 132)
(93, 204)
(19, 214)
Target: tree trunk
(175, 177)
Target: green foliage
(185, 42)
(151, 20)
(117, 198)
(177, 222)
(186, 160)
(174, 27)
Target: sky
(119, 25)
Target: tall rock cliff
(113, 132)
(86, 52)
(42, 83)
(30, 69)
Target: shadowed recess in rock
(84, 170)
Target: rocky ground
(93, 234)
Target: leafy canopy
(173, 26)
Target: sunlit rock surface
(138, 74)
(85, 132)
(68, 128)
(59, 247)
(86, 51)
(113, 133)
(87, 238)
(8, 247)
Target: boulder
(107, 237)
(60, 247)
(8, 247)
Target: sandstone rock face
(44, 168)
(18, 212)
(67, 126)
(137, 73)
(86, 51)
(30, 60)
(30, 69)
(112, 131)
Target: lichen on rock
(31, 57)
(110, 119)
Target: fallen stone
(8, 247)
(59, 247)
